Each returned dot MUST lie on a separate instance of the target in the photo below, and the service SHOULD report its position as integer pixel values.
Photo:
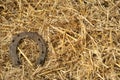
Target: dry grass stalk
(83, 38)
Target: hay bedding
(83, 38)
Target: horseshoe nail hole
(42, 52)
(13, 40)
(38, 39)
(18, 62)
(18, 35)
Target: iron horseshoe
(31, 35)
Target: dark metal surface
(30, 35)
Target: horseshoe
(35, 37)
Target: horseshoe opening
(30, 35)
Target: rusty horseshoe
(30, 35)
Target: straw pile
(83, 37)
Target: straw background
(83, 38)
